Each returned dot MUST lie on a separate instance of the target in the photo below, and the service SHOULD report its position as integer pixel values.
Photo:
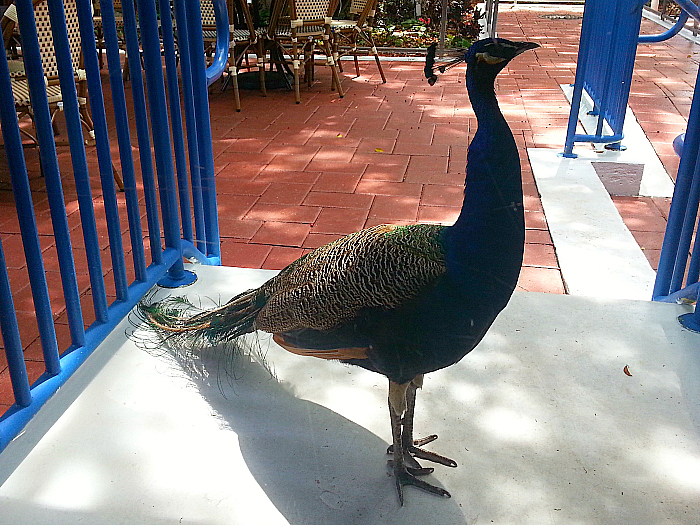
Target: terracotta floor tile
(547, 280)
(340, 220)
(282, 233)
(245, 255)
(438, 214)
(378, 187)
(238, 228)
(338, 200)
(336, 182)
(287, 176)
(281, 256)
(441, 195)
(541, 255)
(285, 194)
(314, 240)
(282, 213)
(397, 208)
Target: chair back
(208, 16)
(46, 45)
(309, 10)
(363, 10)
(357, 6)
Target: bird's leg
(403, 475)
(411, 446)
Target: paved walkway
(293, 177)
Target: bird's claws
(415, 470)
(403, 477)
(414, 451)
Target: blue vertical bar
(10, 333)
(80, 171)
(142, 132)
(161, 132)
(686, 237)
(8, 318)
(22, 193)
(104, 156)
(123, 137)
(204, 141)
(166, 25)
(581, 65)
(665, 283)
(191, 123)
(694, 266)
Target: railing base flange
(690, 322)
(186, 279)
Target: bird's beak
(525, 46)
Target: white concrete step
(542, 419)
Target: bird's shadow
(314, 465)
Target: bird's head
(485, 58)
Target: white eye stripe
(489, 59)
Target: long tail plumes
(179, 322)
(450, 59)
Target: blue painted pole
(204, 140)
(191, 124)
(142, 130)
(52, 178)
(216, 68)
(8, 318)
(80, 170)
(166, 25)
(10, 336)
(16, 418)
(123, 137)
(161, 137)
(665, 283)
(104, 155)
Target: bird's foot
(405, 476)
(414, 451)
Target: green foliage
(396, 25)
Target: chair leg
(233, 74)
(261, 67)
(335, 42)
(118, 180)
(368, 37)
(296, 65)
(334, 67)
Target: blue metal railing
(679, 265)
(165, 190)
(607, 49)
(608, 46)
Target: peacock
(401, 301)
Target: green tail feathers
(177, 319)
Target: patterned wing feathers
(380, 267)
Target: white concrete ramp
(542, 419)
(597, 254)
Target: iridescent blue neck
(489, 232)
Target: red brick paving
(293, 177)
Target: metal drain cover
(564, 16)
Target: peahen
(398, 300)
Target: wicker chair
(20, 86)
(242, 42)
(346, 33)
(298, 33)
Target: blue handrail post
(148, 21)
(8, 318)
(604, 68)
(204, 140)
